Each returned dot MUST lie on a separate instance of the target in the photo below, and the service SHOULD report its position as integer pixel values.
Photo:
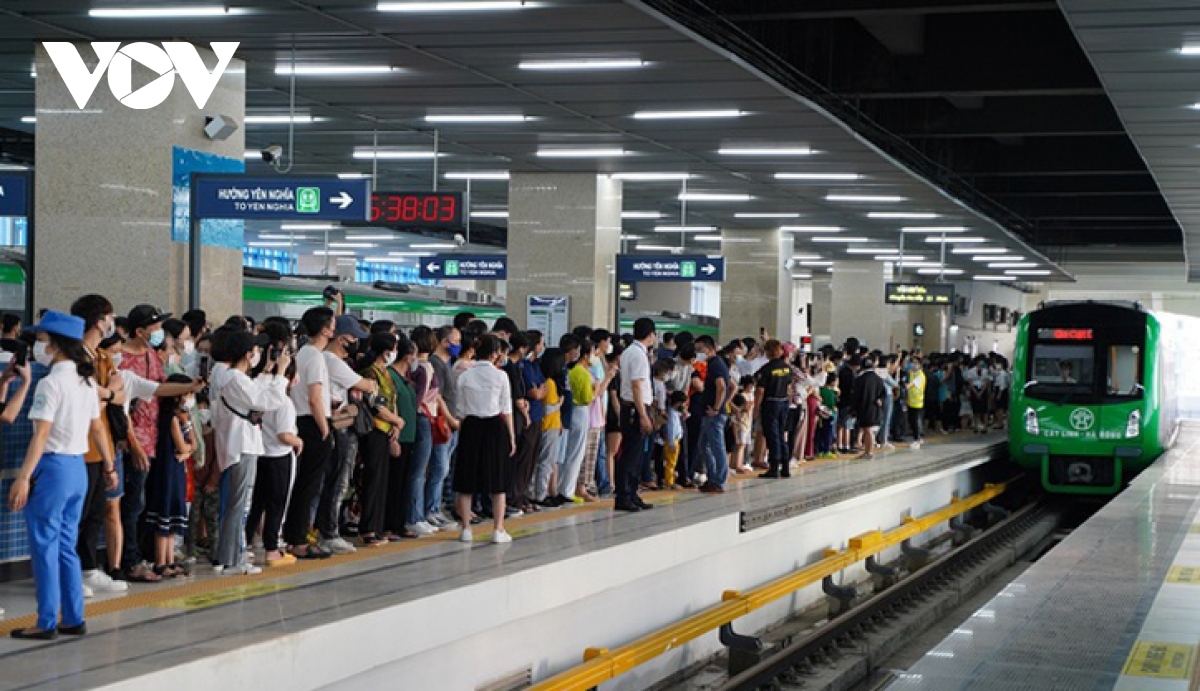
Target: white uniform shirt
(235, 436)
(282, 420)
(311, 368)
(976, 378)
(69, 403)
(635, 366)
(1001, 380)
(341, 377)
(484, 391)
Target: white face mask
(608, 348)
(110, 328)
(116, 359)
(701, 357)
(188, 404)
(189, 347)
(255, 355)
(40, 354)
(390, 358)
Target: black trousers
(526, 464)
(633, 452)
(396, 503)
(310, 474)
(374, 482)
(692, 437)
(271, 488)
(775, 419)
(916, 420)
(95, 506)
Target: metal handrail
(602, 664)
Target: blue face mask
(455, 349)
(156, 338)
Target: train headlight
(1031, 422)
(1133, 426)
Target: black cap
(142, 316)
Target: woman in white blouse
(238, 405)
(486, 440)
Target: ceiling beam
(883, 8)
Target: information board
(14, 194)
(549, 314)
(936, 294)
(464, 266)
(669, 267)
(281, 198)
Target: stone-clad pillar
(111, 213)
(564, 232)
(757, 291)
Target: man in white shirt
(637, 397)
(342, 380)
(311, 395)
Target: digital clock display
(443, 210)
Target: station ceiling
(937, 106)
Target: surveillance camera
(272, 154)
(219, 127)
(459, 240)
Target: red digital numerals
(437, 209)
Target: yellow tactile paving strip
(246, 587)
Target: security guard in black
(772, 383)
(774, 378)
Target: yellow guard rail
(602, 664)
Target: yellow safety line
(601, 664)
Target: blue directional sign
(13, 194)
(465, 266)
(282, 198)
(669, 267)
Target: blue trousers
(439, 468)
(422, 452)
(52, 519)
(712, 448)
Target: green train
(1096, 393)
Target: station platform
(435, 613)
(1115, 605)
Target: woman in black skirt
(486, 442)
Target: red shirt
(143, 415)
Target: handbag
(346, 416)
(118, 422)
(441, 429)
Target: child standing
(673, 436)
(166, 484)
(743, 415)
(826, 428)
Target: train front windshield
(1080, 366)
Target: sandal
(311, 552)
(141, 574)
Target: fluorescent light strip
(249, 154)
(392, 236)
(1028, 272)
(713, 197)
(187, 12)
(908, 259)
(865, 198)
(580, 153)
(277, 236)
(997, 258)
(707, 238)
(955, 240)
(278, 119)
(803, 257)
(630, 238)
(367, 154)
(657, 248)
(335, 253)
(934, 229)
(582, 64)
(29, 119)
(870, 250)
(489, 214)
(915, 215)
(767, 214)
(838, 238)
(1012, 265)
(991, 278)
(434, 246)
(812, 262)
(811, 229)
(817, 176)
(334, 70)
(801, 277)
(766, 151)
(269, 244)
(476, 119)
(940, 272)
(478, 175)
(447, 6)
(352, 176)
(352, 245)
(686, 114)
(978, 250)
(641, 214)
(408, 254)
(309, 226)
(652, 177)
(388, 260)
(684, 229)
(1190, 49)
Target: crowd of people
(184, 442)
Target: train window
(1124, 371)
(1060, 369)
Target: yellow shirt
(553, 417)
(916, 389)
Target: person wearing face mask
(139, 357)
(50, 485)
(449, 346)
(178, 347)
(166, 484)
(600, 479)
(382, 443)
(488, 441)
(242, 401)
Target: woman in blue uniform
(53, 479)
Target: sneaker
(501, 537)
(465, 535)
(421, 529)
(88, 593)
(241, 570)
(513, 512)
(336, 546)
(101, 582)
(435, 520)
(915, 445)
(431, 526)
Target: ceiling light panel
(456, 6)
(496, 118)
(768, 214)
(713, 197)
(687, 114)
(915, 215)
(866, 198)
(581, 153)
(334, 70)
(817, 177)
(583, 64)
(811, 229)
(765, 151)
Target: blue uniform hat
(60, 324)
